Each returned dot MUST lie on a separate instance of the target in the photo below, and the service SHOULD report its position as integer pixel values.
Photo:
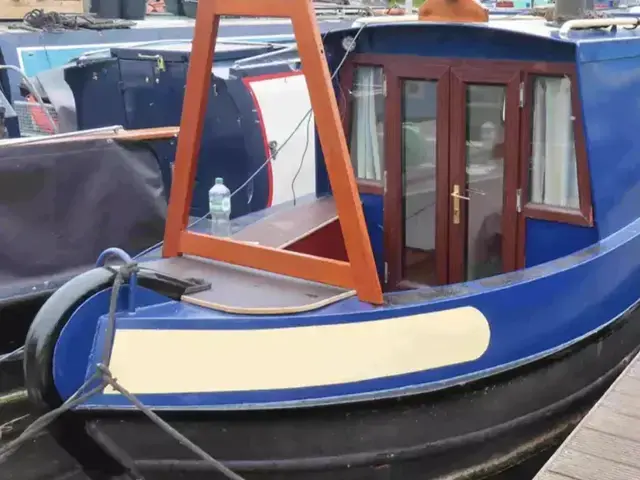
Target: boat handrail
(114, 132)
(345, 9)
(385, 19)
(40, 138)
(292, 62)
(597, 22)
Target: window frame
(583, 215)
(345, 83)
(527, 71)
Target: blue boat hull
(545, 374)
(472, 430)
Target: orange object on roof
(155, 6)
(453, 11)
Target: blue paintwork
(534, 315)
(607, 87)
(86, 337)
(454, 42)
(547, 241)
(590, 277)
(372, 209)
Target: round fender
(45, 330)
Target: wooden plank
(622, 403)
(609, 421)
(284, 228)
(630, 387)
(606, 444)
(120, 134)
(553, 476)
(582, 466)
(17, 9)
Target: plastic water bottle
(220, 209)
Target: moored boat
(462, 287)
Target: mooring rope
(15, 355)
(164, 426)
(105, 378)
(37, 20)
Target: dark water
(42, 459)
(526, 470)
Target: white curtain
(554, 179)
(366, 144)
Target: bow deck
(247, 290)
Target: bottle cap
(219, 180)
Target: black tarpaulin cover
(62, 204)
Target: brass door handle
(456, 203)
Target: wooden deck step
(285, 227)
(606, 444)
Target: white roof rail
(385, 19)
(597, 22)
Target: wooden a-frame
(359, 272)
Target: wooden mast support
(360, 272)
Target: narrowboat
(460, 289)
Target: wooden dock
(606, 444)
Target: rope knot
(128, 269)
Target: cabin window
(553, 176)
(367, 123)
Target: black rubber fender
(45, 330)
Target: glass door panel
(416, 144)
(450, 177)
(418, 151)
(484, 185)
(483, 174)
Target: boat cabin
(468, 154)
(468, 145)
